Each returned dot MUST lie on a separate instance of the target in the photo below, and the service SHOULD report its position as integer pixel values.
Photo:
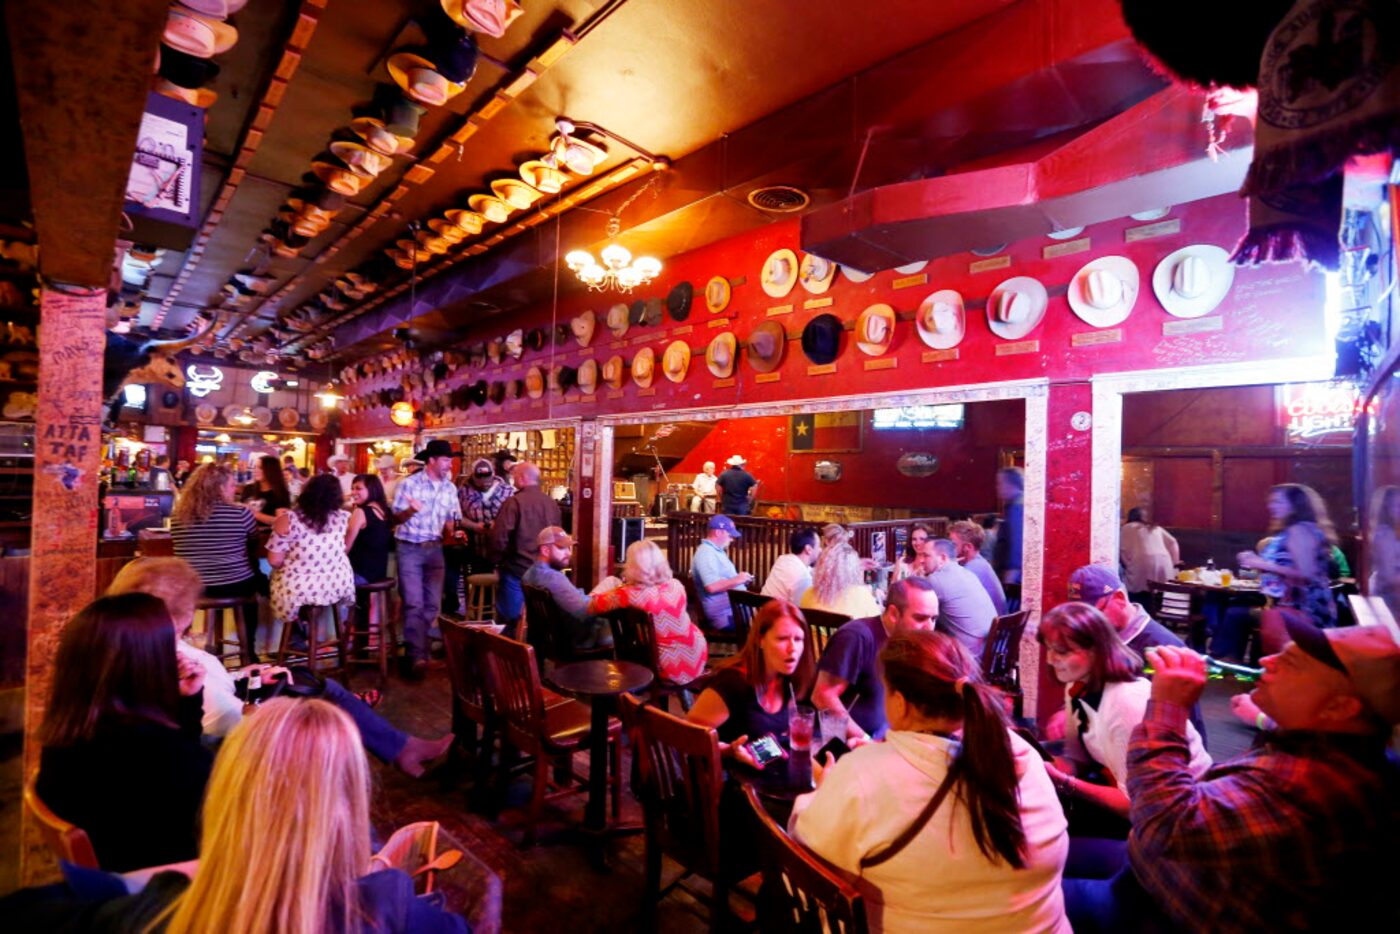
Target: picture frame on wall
(826, 433)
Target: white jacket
(1110, 729)
(941, 881)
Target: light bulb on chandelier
(618, 270)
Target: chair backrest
(547, 632)
(464, 669)
(1001, 655)
(801, 892)
(67, 841)
(823, 624)
(513, 683)
(1175, 601)
(634, 637)
(681, 783)
(744, 604)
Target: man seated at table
(1100, 587)
(556, 551)
(965, 612)
(968, 537)
(714, 573)
(791, 574)
(1296, 834)
(848, 672)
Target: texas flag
(825, 431)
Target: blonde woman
(648, 584)
(838, 585)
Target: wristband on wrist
(1261, 722)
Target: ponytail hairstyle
(938, 678)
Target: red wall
(965, 479)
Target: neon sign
(1319, 413)
(262, 382)
(202, 380)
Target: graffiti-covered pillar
(67, 454)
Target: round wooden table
(597, 682)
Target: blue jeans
(510, 601)
(377, 734)
(421, 571)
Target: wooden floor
(551, 887)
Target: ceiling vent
(779, 199)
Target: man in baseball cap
(714, 573)
(556, 551)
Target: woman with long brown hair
(1293, 562)
(307, 551)
(951, 822)
(267, 493)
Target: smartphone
(766, 749)
(836, 746)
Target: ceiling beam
(82, 71)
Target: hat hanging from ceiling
(515, 344)
(908, 269)
(779, 273)
(816, 273)
(492, 17)
(588, 377)
(1194, 280)
(514, 192)
(717, 294)
(582, 326)
(468, 221)
(435, 75)
(675, 362)
(360, 158)
(542, 177)
(821, 339)
(644, 367)
(855, 275)
(185, 70)
(874, 330)
(197, 35)
(613, 371)
(447, 230)
(1016, 307)
(679, 299)
(390, 123)
(338, 176)
(218, 9)
(1103, 291)
(202, 98)
(534, 382)
(577, 155)
(720, 355)
(618, 319)
(941, 320)
(766, 346)
(490, 207)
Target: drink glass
(834, 724)
(801, 720)
(1226, 578)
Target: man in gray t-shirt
(964, 609)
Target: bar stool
(314, 643)
(379, 634)
(481, 596)
(212, 610)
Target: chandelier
(618, 271)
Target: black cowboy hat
(497, 392)
(562, 334)
(436, 448)
(679, 299)
(821, 339)
(563, 378)
(636, 311)
(534, 339)
(477, 392)
(186, 71)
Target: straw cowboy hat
(338, 176)
(542, 177)
(514, 192)
(588, 377)
(941, 320)
(675, 362)
(1016, 307)
(515, 344)
(490, 207)
(492, 17)
(195, 34)
(360, 158)
(816, 273)
(644, 367)
(766, 345)
(618, 320)
(447, 230)
(874, 331)
(613, 371)
(435, 76)
(582, 327)
(469, 221)
(1193, 281)
(720, 355)
(218, 9)
(390, 130)
(534, 382)
(1103, 291)
(717, 294)
(779, 273)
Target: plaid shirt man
(483, 507)
(1295, 834)
(440, 505)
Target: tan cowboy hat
(360, 158)
(717, 294)
(470, 221)
(675, 363)
(203, 98)
(490, 207)
(1016, 307)
(875, 329)
(545, 178)
(766, 345)
(420, 79)
(515, 193)
(618, 319)
(1103, 291)
(491, 17)
(588, 377)
(720, 355)
(378, 138)
(941, 320)
(779, 273)
(534, 382)
(582, 327)
(613, 370)
(1193, 281)
(515, 344)
(644, 367)
(338, 178)
(816, 273)
(447, 230)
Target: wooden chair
(550, 734)
(212, 610)
(680, 792)
(68, 842)
(315, 645)
(471, 701)
(379, 627)
(823, 625)
(550, 631)
(744, 604)
(1001, 656)
(634, 640)
(696, 611)
(801, 892)
(1178, 607)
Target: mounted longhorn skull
(128, 360)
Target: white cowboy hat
(875, 329)
(582, 327)
(908, 269)
(1066, 233)
(1103, 291)
(735, 461)
(721, 354)
(855, 275)
(515, 343)
(618, 320)
(779, 273)
(1016, 307)
(816, 273)
(941, 319)
(1194, 280)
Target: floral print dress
(316, 571)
